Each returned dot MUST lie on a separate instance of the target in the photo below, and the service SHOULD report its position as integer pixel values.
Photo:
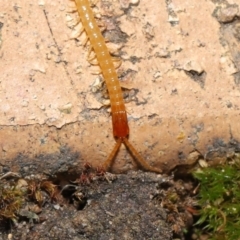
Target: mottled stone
(47, 101)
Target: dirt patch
(98, 205)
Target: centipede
(86, 22)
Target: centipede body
(118, 111)
(97, 41)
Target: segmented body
(119, 115)
(97, 41)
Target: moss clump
(219, 198)
(11, 200)
(15, 196)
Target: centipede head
(120, 125)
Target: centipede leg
(84, 43)
(71, 8)
(93, 62)
(108, 163)
(94, 2)
(92, 59)
(96, 72)
(102, 26)
(73, 22)
(117, 62)
(138, 158)
(77, 32)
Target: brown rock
(46, 106)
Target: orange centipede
(105, 61)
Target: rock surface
(180, 71)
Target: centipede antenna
(108, 163)
(138, 158)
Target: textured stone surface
(180, 69)
(124, 208)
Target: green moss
(11, 200)
(219, 199)
(14, 198)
